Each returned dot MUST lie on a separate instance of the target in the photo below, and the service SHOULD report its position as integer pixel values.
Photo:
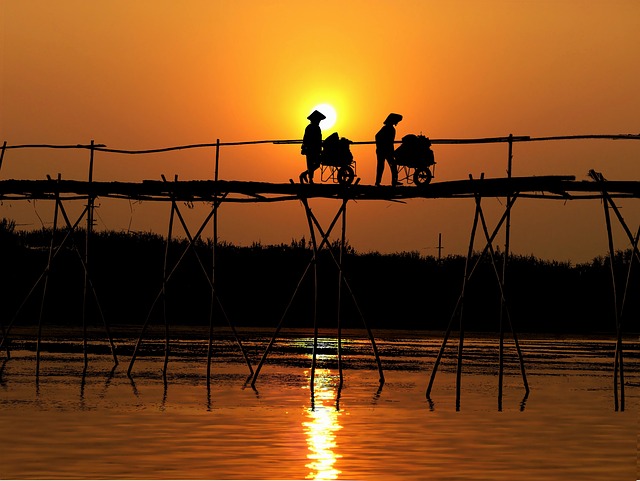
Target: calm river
(106, 425)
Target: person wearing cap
(385, 139)
(312, 145)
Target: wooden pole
(503, 279)
(37, 282)
(213, 256)
(164, 288)
(314, 245)
(340, 281)
(90, 203)
(615, 296)
(503, 297)
(2, 329)
(4, 147)
(295, 292)
(456, 308)
(462, 298)
(324, 242)
(46, 281)
(617, 363)
(213, 261)
(191, 246)
(353, 297)
(619, 347)
(160, 295)
(71, 228)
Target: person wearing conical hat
(385, 139)
(312, 145)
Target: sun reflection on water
(321, 428)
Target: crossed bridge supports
(315, 231)
(500, 276)
(70, 229)
(209, 276)
(320, 241)
(618, 301)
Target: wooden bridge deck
(560, 187)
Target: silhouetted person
(385, 138)
(312, 145)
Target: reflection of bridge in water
(218, 192)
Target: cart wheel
(345, 175)
(422, 176)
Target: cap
(393, 119)
(316, 115)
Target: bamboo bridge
(217, 192)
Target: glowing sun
(329, 112)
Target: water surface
(105, 425)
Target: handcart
(415, 160)
(336, 160)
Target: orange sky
(148, 74)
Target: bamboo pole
(192, 243)
(76, 249)
(618, 357)
(71, 228)
(484, 140)
(90, 204)
(190, 246)
(213, 262)
(355, 303)
(462, 298)
(615, 297)
(2, 329)
(4, 148)
(164, 288)
(340, 282)
(46, 281)
(324, 242)
(619, 345)
(449, 328)
(503, 298)
(280, 324)
(459, 307)
(37, 283)
(456, 311)
(634, 244)
(315, 293)
(503, 280)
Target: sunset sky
(149, 74)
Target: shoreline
(157, 332)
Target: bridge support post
(314, 225)
(618, 363)
(214, 252)
(46, 279)
(71, 229)
(458, 309)
(192, 239)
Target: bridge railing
(93, 147)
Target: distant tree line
(255, 284)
